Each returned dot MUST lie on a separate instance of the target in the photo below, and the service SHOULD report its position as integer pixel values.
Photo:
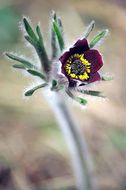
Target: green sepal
(36, 73)
(92, 93)
(31, 91)
(107, 78)
(29, 29)
(59, 35)
(25, 63)
(89, 28)
(82, 101)
(98, 38)
(18, 66)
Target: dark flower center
(77, 67)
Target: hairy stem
(76, 143)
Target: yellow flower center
(77, 67)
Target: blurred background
(33, 152)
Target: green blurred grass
(9, 33)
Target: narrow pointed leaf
(82, 101)
(40, 46)
(29, 30)
(54, 16)
(31, 91)
(107, 78)
(92, 93)
(37, 43)
(55, 46)
(41, 51)
(54, 40)
(43, 58)
(25, 63)
(89, 28)
(36, 73)
(59, 21)
(59, 35)
(17, 66)
(39, 34)
(98, 38)
(30, 40)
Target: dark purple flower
(81, 63)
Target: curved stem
(82, 164)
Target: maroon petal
(82, 42)
(94, 57)
(64, 57)
(94, 77)
(80, 46)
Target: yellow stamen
(84, 61)
(72, 75)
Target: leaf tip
(107, 78)
(54, 16)
(29, 93)
(93, 22)
(8, 55)
(25, 21)
(82, 101)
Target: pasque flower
(81, 63)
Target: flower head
(81, 63)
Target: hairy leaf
(29, 29)
(25, 63)
(82, 101)
(18, 66)
(54, 40)
(89, 28)
(92, 93)
(31, 91)
(39, 34)
(59, 35)
(36, 73)
(30, 40)
(98, 38)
